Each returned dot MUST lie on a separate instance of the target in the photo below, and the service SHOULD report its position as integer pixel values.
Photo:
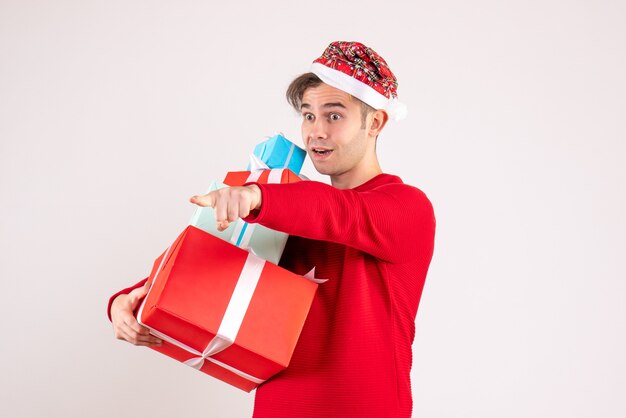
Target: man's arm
(388, 222)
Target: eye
(308, 116)
(334, 116)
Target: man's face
(332, 131)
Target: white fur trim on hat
(339, 80)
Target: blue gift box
(279, 152)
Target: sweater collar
(378, 180)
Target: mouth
(321, 150)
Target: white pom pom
(396, 109)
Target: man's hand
(230, 203)
(125, 324)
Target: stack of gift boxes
(218, 300)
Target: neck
(354, 178)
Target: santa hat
(360, 71)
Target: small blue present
(279, 152)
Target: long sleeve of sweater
(377, 220)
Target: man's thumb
(137, 294)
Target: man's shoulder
(390, 183)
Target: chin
(327, 171)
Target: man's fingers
(221, 210)
(136, 295)
(218, 200)
(223, 225)
(132, 323)
(245, 207)
(136, 334)
(126, 334)
(130, 326)
(206, 200)
(147, 340)
(229, 203)
(232, 211)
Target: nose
(315, 129)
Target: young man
(369, 234)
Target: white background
(112, 113)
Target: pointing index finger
(206, 200)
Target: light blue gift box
(264, 242)
(279, 152)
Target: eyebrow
(325, 105)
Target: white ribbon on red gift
(233, 316)
(231, 322)
(311, 277)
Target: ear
(378, 119)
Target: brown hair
(302, 83)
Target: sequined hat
(358, 70)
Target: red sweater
(374, 244)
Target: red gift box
(276, 175)
(225, 311)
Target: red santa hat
(358, 70)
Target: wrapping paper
(279, 152)
(225, 311)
